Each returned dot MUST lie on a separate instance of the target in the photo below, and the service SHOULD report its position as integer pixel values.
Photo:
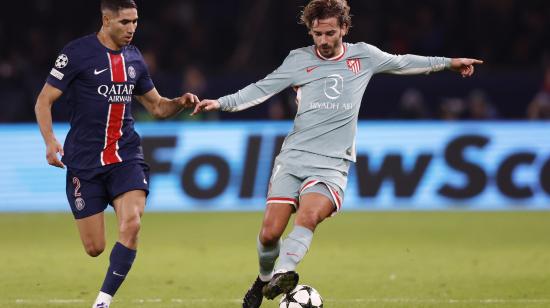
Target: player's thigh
(92, 233)
(129, 206)
(314, 208)
(128, 186)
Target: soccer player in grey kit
(310, 174)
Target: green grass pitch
(357, 259)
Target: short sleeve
(65, 69)
(144, 83)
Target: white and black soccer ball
(302, 296)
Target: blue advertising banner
(226, 166)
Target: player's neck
(106, 40)
(337, 53)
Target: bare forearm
(170, 107)
(43, 112)
(167, 107)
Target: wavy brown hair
(323, 9)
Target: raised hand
(206, 105)
(464, 66)
(52, 148)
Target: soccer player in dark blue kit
(101, 73)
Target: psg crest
(354, 65)
(79, 204)
(132, 72)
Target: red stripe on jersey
(113, 132)
(118, 67)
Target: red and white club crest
(354, 65)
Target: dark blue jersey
(100, 83)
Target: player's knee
(130, 227)
(309, 220)
(269, 236)
(94, 249)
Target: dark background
(215, 47)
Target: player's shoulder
(132, 48)
(133, 52)
(360, 48)
(81, 44)
(303, 53)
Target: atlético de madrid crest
(354, 65)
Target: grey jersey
(329, 93)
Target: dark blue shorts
(90, 191)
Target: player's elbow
(41, 104)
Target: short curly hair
(323, 9)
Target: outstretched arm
(162, 107)
(43, 110)
(383, 62)
(255, 93)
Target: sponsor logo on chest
(117, 93)
(119, 90)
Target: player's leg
(88, 199)
(275, 220)
(314, 208)
(316, 204)
(129, 209)
(128, 185)
(92, 233)
(281, 203)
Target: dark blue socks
(121, 261)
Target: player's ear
(345, 29)
(105, 19)
(107, 16)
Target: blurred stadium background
(457, 170)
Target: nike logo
(292, 254)
(145, 181)
(311, 68)
(117, 274)
(96, 72)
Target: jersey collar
(335, 58)
(98, 43)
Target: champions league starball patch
(61, 61)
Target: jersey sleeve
(66, 68)
(383, 62)
(257, 93)
(144, 84)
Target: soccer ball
(302, 297)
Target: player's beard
(328, 51)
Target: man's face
(327, 36)
(121, 26)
